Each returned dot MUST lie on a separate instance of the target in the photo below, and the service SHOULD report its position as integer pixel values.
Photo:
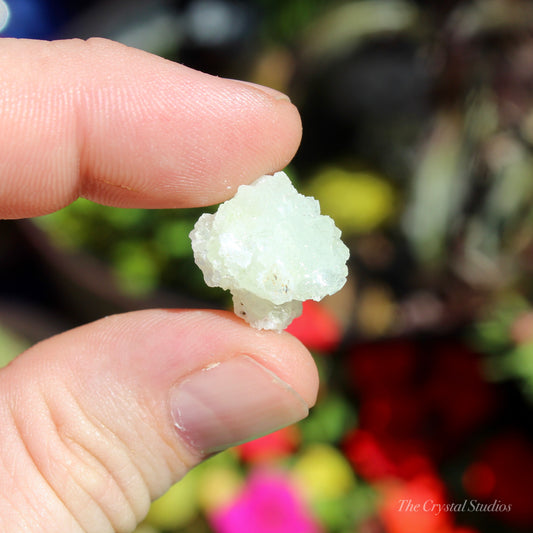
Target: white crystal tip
(271, 247)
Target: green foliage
(491, 334)
(284, 20)
(10, 345)
(146, 249)
(329, 420)
(514, 364)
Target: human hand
(98, 421)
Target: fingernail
(231, 402)
(278, 95)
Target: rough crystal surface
(271, 247)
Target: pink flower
(267, 504)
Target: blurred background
(418, 141)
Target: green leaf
(329, 420)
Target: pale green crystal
(271, 247)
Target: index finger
(126, 128)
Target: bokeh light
(4, 15)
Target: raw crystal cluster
(271, 247)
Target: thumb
(100, 420)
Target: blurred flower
(219, 485)
(271, 447)
(412, 506)
(457, 396)
(508, 460)
(267, 504)
(376, 310)
(322, 472)
(382, 366)
(357, 201)
(367, 457)
(416, 399)
(397, 414)
(379, 458)
(478, 480)
(178, 506)
(316, 327)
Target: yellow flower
(218, 487)
(358, 202)
(322, 473)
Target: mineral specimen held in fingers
(271, 247)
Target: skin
(87, 440)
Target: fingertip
(147, 395)
(289, 359)
(282, 353)
(216, 336)
(130, 129)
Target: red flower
(507, 462)
(383, 366)
(478, 480)
(398, 414)
(277, 445)
(375, 458)
(369, 460)
(317, 328)
(433, 393)
(456, 393)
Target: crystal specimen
(271, 247)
